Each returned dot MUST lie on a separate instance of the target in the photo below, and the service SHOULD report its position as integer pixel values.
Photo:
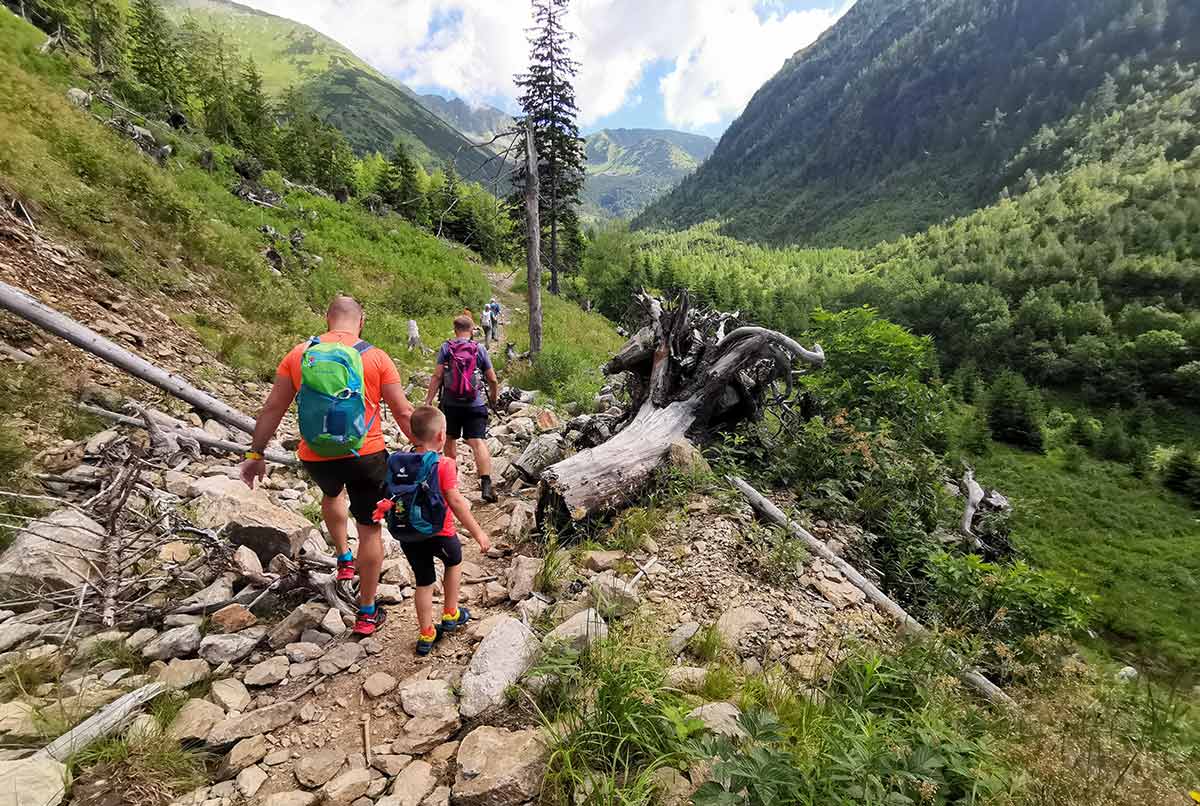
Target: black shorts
(467, 422)
(363, 477)
(421, 555)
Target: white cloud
(720, 51)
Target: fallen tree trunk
(18, 302)
(106, 721)
(908, 624)
(689, 378)
(195, 433)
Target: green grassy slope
(629, 168)
(1135, 547)
(156, 229)
(182, 232)
(371, 109)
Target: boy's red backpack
(460, 386)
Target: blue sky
(680, 64)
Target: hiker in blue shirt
(463, 365)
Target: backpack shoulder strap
(362, 347)
(314, 341)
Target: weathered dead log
(20, 356)
(688, 378)
(195, 433)
(974, 495)
(17, 301)
(108, 720)
(908, 624)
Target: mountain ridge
(373, 110)
(904, 114)
(628, 168)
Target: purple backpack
(461, 387)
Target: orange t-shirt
(378, 372)
(447, 480)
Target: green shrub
(1181, 473)
(1015, 412)
(1006, 603)
(1073, 457)
(1114, 443)
(890, 729)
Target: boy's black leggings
(421, 554)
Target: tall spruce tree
(548, 101)
(401, 189)
(258, 124)
(105, 24)
(154, 54)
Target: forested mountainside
(371, 109)
(907, 112)
(1082, 281)
(629, 168)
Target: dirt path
(333, 714)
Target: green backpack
(331, 404)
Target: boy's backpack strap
(314, 341)
(362, 347)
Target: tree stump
(689, 378)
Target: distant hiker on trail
(462, 367)
(423, 500)
(338, 382)
(493, 308)
(488, 323)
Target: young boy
(429, 434)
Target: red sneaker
(368, 623)
(345, 571)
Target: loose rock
(508, 651)
(498, 767)
(175, 643)
(577, 632)
(268, 673)
(195, 721)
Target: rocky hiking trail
(218, 600)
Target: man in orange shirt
(362, 473)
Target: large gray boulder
(498, 767)
(508, 652)
(50, 554)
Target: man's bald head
(345, 314)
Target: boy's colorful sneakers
(345, 570)
(425, 641)
(452, 621)
(368, 623)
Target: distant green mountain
(373, 111)
(629, 168)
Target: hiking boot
(368, 623)
(486, 491)
(345, 570)
(425, 645)
(450, 623)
